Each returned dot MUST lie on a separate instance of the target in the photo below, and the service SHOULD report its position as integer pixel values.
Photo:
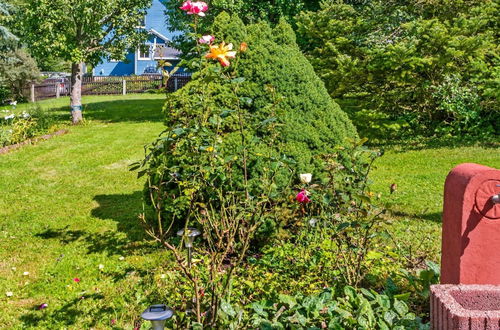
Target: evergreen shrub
(286, 109)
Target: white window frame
(139, 57)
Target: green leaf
(367, 293)
(246, 100)
(383, 301)
(226, 113)
(350, 292)
(389, 317)
(433, 266)
(288, 300)
(238, 80)
(227, 308)
(259, 307)
(400, 307)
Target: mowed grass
(68, 210)
(70, 204)
(420, 175)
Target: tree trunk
(76, 92)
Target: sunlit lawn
(69, 205)
(418, 201)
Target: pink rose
(208, 39)
(195, 8)
(302, 197)
(187, 5)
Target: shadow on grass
(120, 110)
(129, 237)
(69, 313)
(434, 217)
(439, 143)
(124, 210)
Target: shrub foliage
(286, 110)
(432, 63)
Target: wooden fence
(55, 88)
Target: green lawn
(420, 175)
(69, 205)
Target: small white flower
(312, 222)
(306, 178)
(101, 266)
(121, 258)
(9, 117)
(9, 293)
(14, 103)
(14, 269)
(26, 115)
(26, 273)
(163, 276)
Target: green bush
(285, 108)
(279, 85)
(432, 64)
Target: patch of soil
(45, 137)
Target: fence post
(124, 86)
(175, 84)
(58, 92)
(32, 92)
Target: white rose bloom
(306, 177)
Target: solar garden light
(189, 237)
(158, 315)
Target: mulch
(45, 137)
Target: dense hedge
(279, 82)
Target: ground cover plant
(17, 127)
(94, 223)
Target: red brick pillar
(471, 226)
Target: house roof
(158, 34)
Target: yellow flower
(222, 53)
(210, 149)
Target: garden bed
(45, 137)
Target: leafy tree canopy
(249, 11)
(7, 39)
(432, 63)
(82, 30)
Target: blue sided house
(143, 60)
